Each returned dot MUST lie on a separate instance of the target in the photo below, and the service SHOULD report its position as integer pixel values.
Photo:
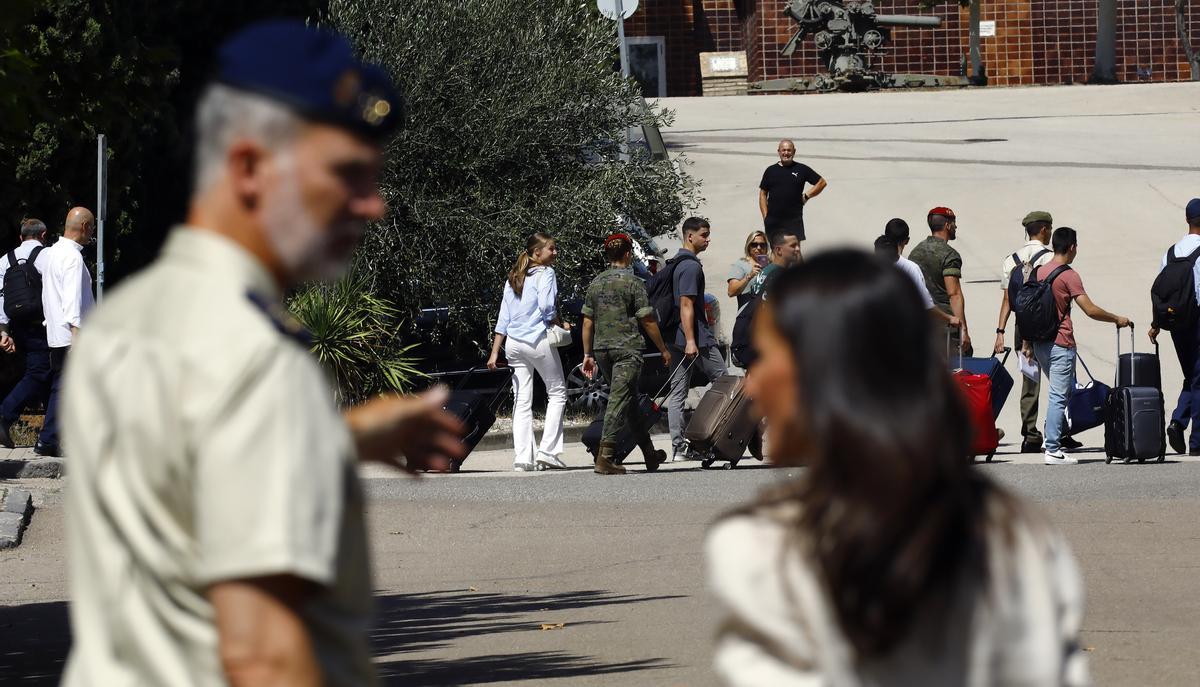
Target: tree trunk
(1185, 41)
(1105, 68)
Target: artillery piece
(850, 38)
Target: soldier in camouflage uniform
(616, 300)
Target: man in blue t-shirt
(694, 343)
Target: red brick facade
(1036, 41)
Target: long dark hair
(891, 510)
(520, 268)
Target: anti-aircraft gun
(850, 37)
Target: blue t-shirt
(689, 281)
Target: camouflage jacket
(615, 300)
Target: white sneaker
(1059, 458)
(523, 467)
(545, 461)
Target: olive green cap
(1037, 216)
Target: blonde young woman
(891, 560)
(756, 254)
(527, 311)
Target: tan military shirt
(204, 445)
(1026, 253)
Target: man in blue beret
(1175, 298)
(215, 514)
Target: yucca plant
(354, 336)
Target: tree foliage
(515, 122)
(130, 69)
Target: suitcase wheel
(1127, 460)
(731, 464)
(988, 459)
(1107, 459)
(455, 465)
(706, 463)
(1162, 457)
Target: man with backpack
(1016, 270)
(1043, 307)
(677, 295)
(1174, 298)
(21, 327)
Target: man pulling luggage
(615, 302)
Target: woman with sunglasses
(890, 560)
(741, 273)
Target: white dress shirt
(66, 291)
(22, 253)
(526, 318)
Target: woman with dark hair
(891, 560)
(528, 309)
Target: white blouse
(782, 631)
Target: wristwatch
(999, 331)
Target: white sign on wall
(723, 64)
(987, 28)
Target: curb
(14, 517)
(493, 441)
(33, 468)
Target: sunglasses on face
(759, 245)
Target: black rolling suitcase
(476, 407)
(1135, 426)
(1143, 366)
(650, 411)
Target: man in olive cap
(215, 515)
(1014, 270)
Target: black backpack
(661, 291)
(1037, 313)
(741, 344)
(1021, 272)
(1173, 295)
(23, 288)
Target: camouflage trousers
(621, 367)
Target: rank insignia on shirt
(281, 319)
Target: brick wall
(1036, 41)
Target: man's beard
(305, 251)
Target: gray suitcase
(724, 425)
(1135, 426)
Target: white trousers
(524, 360)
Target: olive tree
(515, 121)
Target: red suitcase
(977, 394)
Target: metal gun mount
(850, 36)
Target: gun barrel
(907, 20)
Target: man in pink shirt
(1057, 357)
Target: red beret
(620, 237)
(945, 212)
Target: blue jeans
(1058, 363)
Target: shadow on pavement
(34, 640)
(422, 622)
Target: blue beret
(1193, 209)
(313, 72)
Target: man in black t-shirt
(781, 195)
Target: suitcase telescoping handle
(1003, 361)
(1132, 350)
(671, 376)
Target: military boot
(604, 463)
(653, 456)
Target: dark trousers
(49, 435)
(34, 386)
(1030, 391)
(1187, 349)
(622, 367)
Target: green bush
(354, 337)
(515, 123)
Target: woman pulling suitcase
(529, 328)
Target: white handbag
(558, 336)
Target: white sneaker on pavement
(545, 461)
(523, 467)
(1059, 458)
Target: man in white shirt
(1035, 253)
(66, 298)
(890, 246)
(1187, 342)
(25, 332)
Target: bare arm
(409, 432)
(261, 638)
(1100, 314)
(687, 324)
(493, 359)
(736, 286)
(816, 189)
(589, 363)
(958, 306)
(948, 320)
(1005, 311)
(650, 324)
(762, 202)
